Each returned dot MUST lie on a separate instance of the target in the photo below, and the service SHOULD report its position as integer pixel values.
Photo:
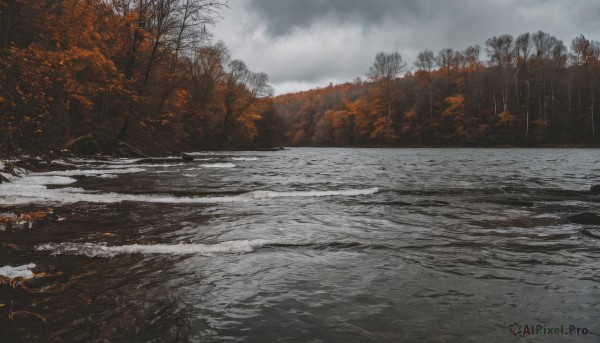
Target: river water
(313, 245)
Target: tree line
(116, 75)
(527, 91)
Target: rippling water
(314, 245)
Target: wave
(273, 194)
(35, 194)
(222, 248)
(39, 180)
(139, 166)
(244, 158)
(218, 165)
(103, 250)
(91, 172)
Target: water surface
(313, 245)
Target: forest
(137, 77)
(525, 91)
(125, 76)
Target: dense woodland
(134, 76)
(527, 91)
(120, 76)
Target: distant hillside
(530, 91)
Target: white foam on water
(124, 166)
(218, 165)
(209, 153)
(108, 176)
(92, 172)
(37, 181)
(272, 194)
(88, 160)
(61, 162)
(33, 189)
(244, 158)
(23, 271)
(103, 250)
(123, 160)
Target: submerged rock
(585, 219)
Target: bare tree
(205, 70)
(384, 71)
(444, 60)
(472, 56)
(499, 50)
(523, 52)
(193, 16)
(243, 89)
(425, 61)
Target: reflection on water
(313, 245)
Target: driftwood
(75, 140)
(133, 149)
(86, 137)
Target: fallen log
(75, 140)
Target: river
(313, 245)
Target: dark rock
(585, 219)
(3, 179)
(175, 153)
(595, 189)
(186, 157)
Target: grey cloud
(284, 16)
(462, 16)
(308, 41)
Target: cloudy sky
(304, 44)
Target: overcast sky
(305, 44)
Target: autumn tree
(383, 73)
(530, 90)
(243, 89)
